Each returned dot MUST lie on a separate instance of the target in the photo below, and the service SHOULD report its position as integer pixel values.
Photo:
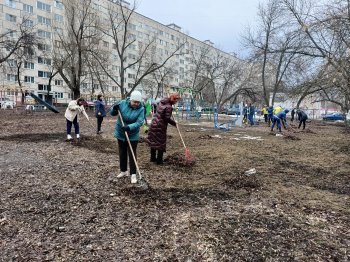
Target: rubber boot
(153, 155)
(160, 157)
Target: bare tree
(21, 57)
(274, 46)
(162, 77)
(21, 36)
(79, 36)
(198, 80)
(139, 59)
(328, 31)
(222, 79)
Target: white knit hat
(136, 96)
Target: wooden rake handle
(127, 138)
(178, 130)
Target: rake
(142, 182)
(188, 156)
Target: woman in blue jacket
(132, 112)
(100, 112)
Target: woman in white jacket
(74, 108)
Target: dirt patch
(205, 137)
(63, 202)
(181, 160)
(290, 136)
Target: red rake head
(188, 158)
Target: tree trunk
(76, 93)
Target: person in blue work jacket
(100, 112)
(283, 116)
(132, 112)
(275, 120)
(245, 114)
(251, 110)
(280, 118)
(270, 114)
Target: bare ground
(62, 202)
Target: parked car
(6, 103)
(234, 110)
(333, 116)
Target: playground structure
(235, 120)
(194, 110)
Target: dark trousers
(278, 122)
(99, 123)
(76, 126)
(157, 156)
(269, 119)
(266, 118)
(124, 151)
(251, 121)
(303, 121)
(292, 119)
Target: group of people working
(278, 116)
(131, 113)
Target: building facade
(47, 19)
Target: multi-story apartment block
(47, 18)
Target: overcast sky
(220, 21)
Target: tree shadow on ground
(33, 138)
(317, 177)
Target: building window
(28, 65)
(28, 51)
(57, 43)
(43, 47)
(114, 88)
(58, 18)
(132, 76)
(43, 6)
(11, 3)
(42, 87)
(28, 8)
(58, 82)
(105, 44)
(11, 77)
(28, 23)
(11, 18)
(44, 61)
(10, 33)
(132, 56)
(44, 20)
(44, 34)
(58, 4)
(12, 62)
(29, 79)
(58, 30)
(130, 85)
(132, 47)
(44, 74)
(58, 95)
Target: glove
(126, 128)
(99, 113)
(116, 108)
(145, 129)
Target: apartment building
(47, 18)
